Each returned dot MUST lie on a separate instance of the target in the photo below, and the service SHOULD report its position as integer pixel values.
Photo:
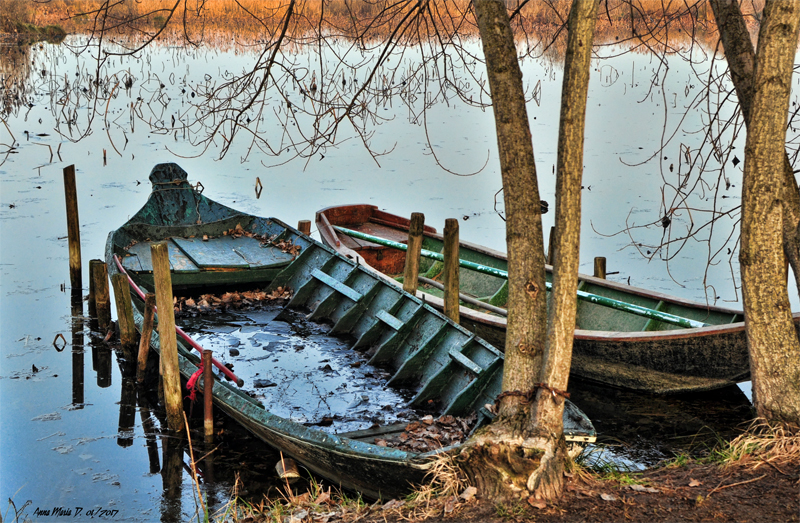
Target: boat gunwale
(581, 333)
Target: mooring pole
(412, 253)
(208, 386)
(600, 267)
(166, 332)
(451, 269)
(102, 298)
(73, 228)
(304, 226)
(147, 332)
(127, 329)
(551, 249)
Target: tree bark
(527, 306)
(548, 409)
(771, 335)
(520, 454)
(501, 457)
(741, 59)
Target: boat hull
(616, 349)
(441, 366)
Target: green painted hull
(611, 347)
(441, 363)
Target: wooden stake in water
(412, 254)
(127, 329)
(92, 298)
(551, 249)
(451, 269)
(304, 226)
(166, 332)
(102, 297)
(208, 388)
(147, 332)
(73, 228)
(600, 267)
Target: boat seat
(138, 258)
(194, 254)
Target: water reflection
(77, 322)
(171, 478)
(643, 429)
(149, 428)
(127, 411)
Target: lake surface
(66, 436)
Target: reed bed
(263, 20)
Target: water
(302, 373)
(60, 427)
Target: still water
(72, 445)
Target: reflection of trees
(324, 68)
(15, 70)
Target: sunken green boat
(439, 367)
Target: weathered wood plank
(211, 253)
(141, 260)
(257, 256)
(178, 261)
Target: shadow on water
(640, 430)
(234, 461)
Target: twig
(718, 487)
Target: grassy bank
(752, 478)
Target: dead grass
(763, 442)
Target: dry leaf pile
(284, 245)
(211, 303)
(430, 434)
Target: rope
(528, 397)
(197, 190)
(191, 385)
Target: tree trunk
(741, 59)
(548, 409)
(519, 455)
(501, 458)
(771, 336)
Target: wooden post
(147, 331)
(122, 297)
(73, 228)
(304, 226)
(92, 298)
(600, 267)
(166, 332)
(551, 249)
(412, 254)
(101, 295)
(451, 269)
(208, 386)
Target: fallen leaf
(694, 483)
(642, 488)
(450, 504)
(536, 503)
(608, 497)
(468, 494)
(324, 497)
(392, 504)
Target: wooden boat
(611, 346)
(442, 368)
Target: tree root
(506, 467)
